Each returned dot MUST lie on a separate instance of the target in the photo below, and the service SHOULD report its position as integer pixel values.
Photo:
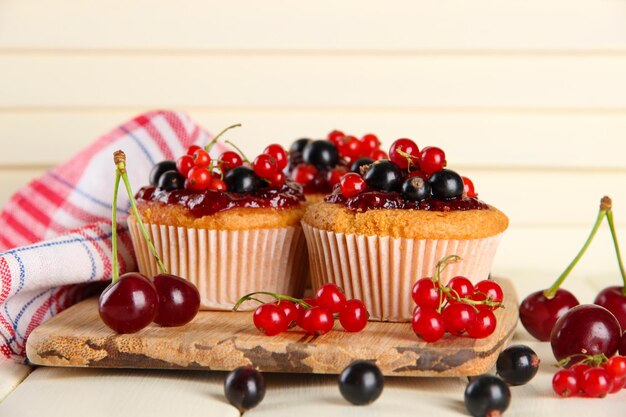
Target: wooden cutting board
(224, 340)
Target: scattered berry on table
(361, 383)
(487, 396)
(244, 388)
(517, 364)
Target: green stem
(249, 296)
(120, 162)
(245, 159)
(209, 146)
(116, 268)
(550, 292)
(609, 219)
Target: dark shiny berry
(383, 175)
(179, 300)
(415, 189)
(517, 364)
(361, 383)
(298, 146)
(171, 180)
(487, 396)
(320, 153)
(242, 180)
(446, 184)
(356, 165)
(244, 388)
(160, 169)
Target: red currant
(335, 136)
(468, 187)
(404, 153)
(278, 153)
(335, 175)
(229, 160)
(349, 147)
(192, 149)
(330, 297)
(301, 310)
(217, 184)
(201, 158)
(616, 367)
(265, 166)
(579, 369)
(317, 321)
(270, 319)
(278, 179)
(378, 154)
(483, 326)
(565, 383)
(428, 324)
(184, 165)
(426, 294)
(354, 317)
(304, 173)
(369, 143)
(433, 160)
(596, 383)
(457, 317)
(460, 286)
(352, 184)
(198, 179)
(490, 290)
(290, 310)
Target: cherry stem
(551, 292)
(609, 219)
(210, 145)
(245, 159)
(120, 163)
(249, 297)
(116, 268)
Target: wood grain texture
(224, 340)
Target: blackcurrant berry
(298, 146)
(415, 189)
(356, 166)
(383, 175)
(242, 180)
(517, 364)
(361, 382)
(171, 180)
(244, 388)
(321, 153)
(446, 184)
(160, 169)
(487, 395)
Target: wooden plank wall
(528, 97)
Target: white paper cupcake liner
(227, 264)
(381, 270)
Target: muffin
(224, 227)
(318, 165)
(381, 231)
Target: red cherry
(483, 326)
(426, 294)
(317, 321)
(184, 165)
(614, 300)
(428, 324)
(330, 297)
(229, 160)
(335, 136)
(457, 317)
(277, 180)
(192, 149)
(352, 184)
(378, 154)
(404, 153)
(460, 286)
(432, 160)
(270, 319)
(622, 345)
(201, 158)
(179, 300)
(217, 184)
(354, 317)
(538, 314)
(290, 310)
(198, 179)
(129, 304)
(595, 383)
(369, 143)
(468, 187)
(278, 153)
(265, 166)
(565, 383)
(304, 173)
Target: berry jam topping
(376, 200)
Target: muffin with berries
(386, 226)
(228, 225)
(318, 165)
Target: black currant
(446, 184)
(242, 180)
(171, 180)
(361, 382)
(415, 189)
(383, 175)
(486, 396)
(356, 166)
(160, 169)
(244, 388)
(321, 153)
(298, 146)
(517, 364)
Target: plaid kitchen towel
(55, 233)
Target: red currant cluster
(455, 308)
(351, 148)
(315, 316)
(594, 376)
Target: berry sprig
(457, 308)
(315, 316)
(591, 376)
